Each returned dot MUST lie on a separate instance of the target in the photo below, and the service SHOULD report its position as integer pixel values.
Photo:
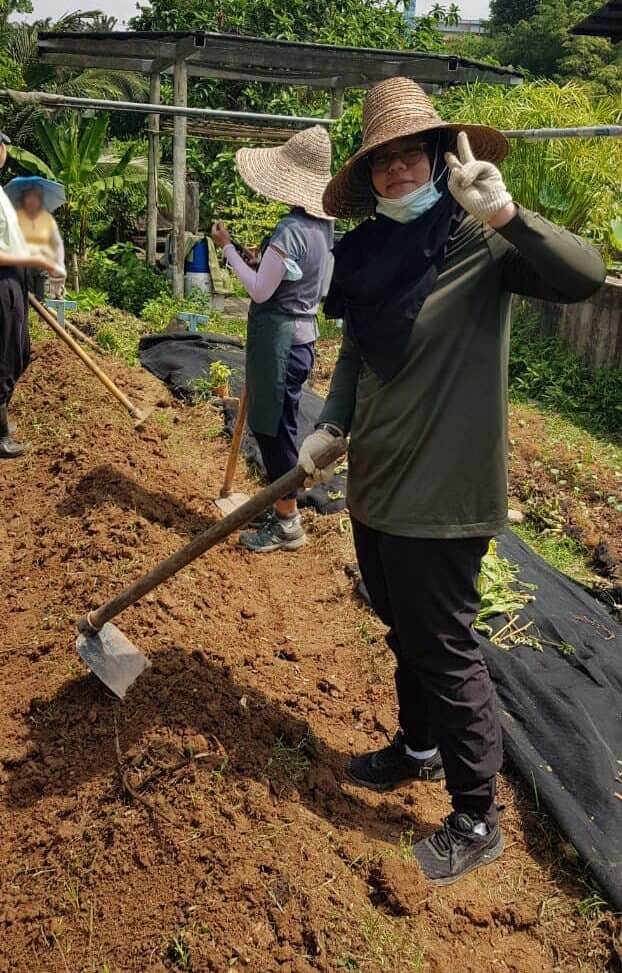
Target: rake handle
(236, 442)
(93, 621)
(51, 321)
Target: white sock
(421, 754)
(480, 828)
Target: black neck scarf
(384, 271)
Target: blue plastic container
(198, 263)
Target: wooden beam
(180, 97)
(153, 136)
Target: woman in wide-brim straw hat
(285, 292)
(424, 285)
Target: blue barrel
(198, 262)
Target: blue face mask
(412, 205)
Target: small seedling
(287, 765)
(179, 953)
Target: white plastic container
(199, 282)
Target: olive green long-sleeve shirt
(428, 450)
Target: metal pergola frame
(185, 54)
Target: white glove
(311, 447)
(477, 186)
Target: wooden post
(152, 172)
(336, 102)
(180, 97)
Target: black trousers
(280, 453)
(14, 336)
(425, 590)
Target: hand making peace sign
(477, 185)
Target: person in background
(285, 291)
(424, 284)
(43, 239)
(15, 260)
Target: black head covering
(384, 271)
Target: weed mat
(180, 359)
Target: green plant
(159, 311)
(574, 182)
(500, 590)
(133, 282)
(76, 154)
(219, 374)
(88, 298)
(178, 952)
(542, 368)
(287, 764)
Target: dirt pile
(205, 824)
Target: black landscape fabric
(179, 359)
(561, 711)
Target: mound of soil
(205, 824)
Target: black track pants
(425, 590)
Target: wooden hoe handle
(236, 441)
(50, 320)
(92, 622)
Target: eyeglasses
(410, 155)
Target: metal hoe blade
(227, 505)
(112, 658)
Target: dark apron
(269, 342)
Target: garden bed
(251, 851)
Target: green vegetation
(542, 368)
(75, 155)
(574, 182)
(563, 553)
(500, 590)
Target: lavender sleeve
(262, 283)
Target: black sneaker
(382, 770)
(457, 849)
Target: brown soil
(221, 834)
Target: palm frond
(31, 162)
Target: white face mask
(414, 204)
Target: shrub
(127, 279)
(160, 310)
(88, 298)
(543, 368)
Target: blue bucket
(198, 262)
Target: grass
(178, 953)
(544, 370)
(563, 553)
(288, 764)
(389, 944)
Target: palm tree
(75, 155)
(21, 46)
(452, 16)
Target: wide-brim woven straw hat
(295, 173)
(393, 109)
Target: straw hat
(394, 108)
(295, 173)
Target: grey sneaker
(278, 534)
(457, 849)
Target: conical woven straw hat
(393, 109)
(295, 173)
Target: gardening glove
(478, 186)
(311, 447)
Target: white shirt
(11, 237)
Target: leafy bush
(88, 298)
(542, 368)
(160, 310)
(127, 279)
(574, 182)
